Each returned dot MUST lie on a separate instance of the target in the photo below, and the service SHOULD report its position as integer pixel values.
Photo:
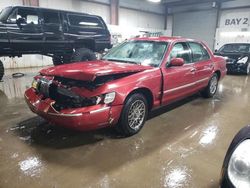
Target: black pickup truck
(65, 36)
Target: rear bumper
(236, 68)
(86, 118)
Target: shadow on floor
(38, 131)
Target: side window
(180, 50)
(84, 21)
(27, 16)
(199, 53)
(51, 17)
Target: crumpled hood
(88, 71)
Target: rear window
(84, 21)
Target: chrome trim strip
(187, 85)
(178, 88)
(99, 110)
(65, 115)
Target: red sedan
(132, 79)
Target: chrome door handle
(192, 70)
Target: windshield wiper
(125, 61)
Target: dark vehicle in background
(65, 36)
(237, 57)
(236, 166)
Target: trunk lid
(89, 71)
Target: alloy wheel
(213, 85)
(136, 114)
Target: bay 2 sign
(239, 18)
(237, 21)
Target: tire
(83, 54)
(1, 70)
(247, 69)
(211, 88)
(128, 126)
(59, 60)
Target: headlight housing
(34, 84)
(243, 60)
(106, 98)
(239, 165)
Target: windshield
(4, 14)
(240, 48)
(139, 52)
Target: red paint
(194, 76)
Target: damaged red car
(132, 79)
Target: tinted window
(27, 16)
(180, 50)
(4, 14)
(199, 53)
(84, 21)
(235, 48)
(51, 17)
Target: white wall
(4, 3)
(79, 6)
(234, 26)
(133, 18)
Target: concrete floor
(182, 145)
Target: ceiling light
(155, 1)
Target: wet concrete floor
(182, 145)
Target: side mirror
(177, 62)
(215, 50)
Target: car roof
(237, 43)
(165, 39)
(42, 8)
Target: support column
(114, 12)
(34, 3)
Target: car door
(25, 31)
(53, 31)
(178, 81)
(202, 63)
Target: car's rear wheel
(1, 70)
(83, 54)
(133, 116)
(211, 88)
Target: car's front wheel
(1, 70)
(248, 69)
(211, 88)
(134, 115)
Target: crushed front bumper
(85, 118)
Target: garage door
(198, 25)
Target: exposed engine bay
(59, 89)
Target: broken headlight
(34, 84)
(243, 60)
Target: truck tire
(83, 54)
(59, 60)
(1, 70)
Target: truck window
(84, 21)
(51, 17)
(28, 16)
(4, 14)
